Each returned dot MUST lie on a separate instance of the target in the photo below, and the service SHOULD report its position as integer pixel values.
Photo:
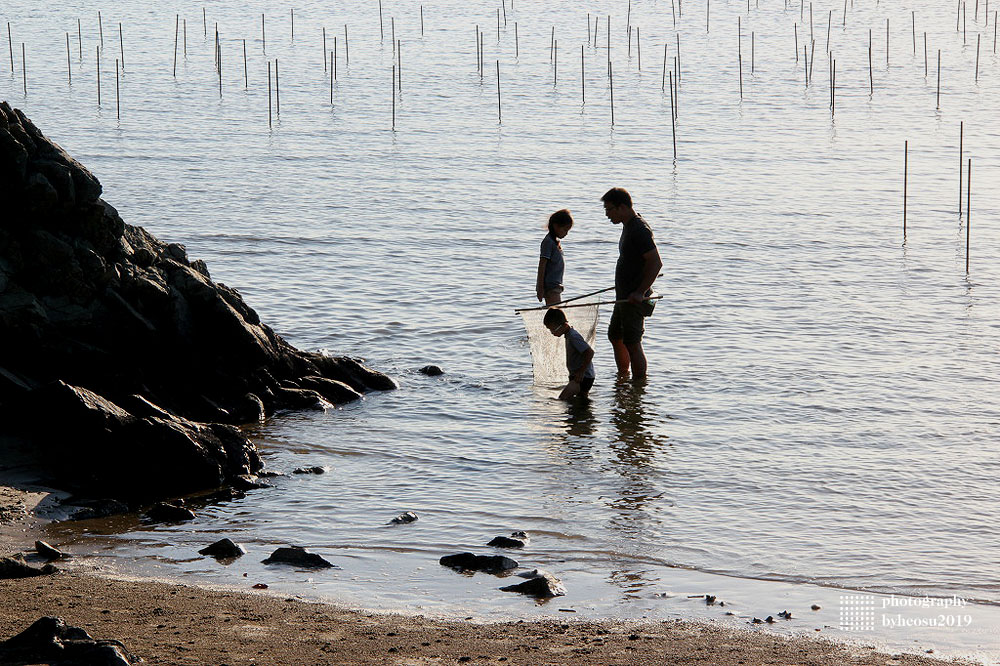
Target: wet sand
(167, 623)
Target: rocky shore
(125, 369)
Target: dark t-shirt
(636, 240)
(552, 251)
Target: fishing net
(548, 352)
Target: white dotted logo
(857, 612)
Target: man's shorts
(626, 323)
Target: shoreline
(178, 623)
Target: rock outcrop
(123, 365)
(51, 641)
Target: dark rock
(404, 518)
(90, 303)
(164, 512)
(297, 556)
(16, 567)
(246, 482)
(494, 564)
(710, 599)
(309, 470)
(97, 508)
(431, 370)
(332, 390)
(223, 549)
(785, 615)
(815, 607)
(506, 542)
(52, 641)
(48, 552)
(545, 585)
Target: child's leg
(571, 390)
(585, 386)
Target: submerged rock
(16, 567)
(97, 508)
(493, 564)
(223, 549)
(309, 470)
(404, 518)
(297, 556)
(431, 370)
(165, 512)
(47, 551)
(507, 542)
(52, 641)
(543, 586)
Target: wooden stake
(292, 13)
(611, 82)
(914, 14)
(638, 47)
(887, 42)
(184, 23)
(324, 48)
(961, 137)
(499, 108)
(347, 52)
(177, 28)
(871, 75)
(517, 48)
(79, 40)
(277, 89)
(583, 79)
(979, 38)
(925, 55)
(263, 36)
(269, 94)
(675, 98)
(100, 27)
(753, 50)
(10, 45)
(673, 116)
(968, 215)
(121, 46)
(98, 48)
(906, 165)
(939, 81)
(555, 63)
(399, 65)
(333, 58)
(204, 21)
(246, 74)
(118, 106)
(24, 69)
(663, 82)
(393, 92)
(381, 36)
(421, 20)
(796, 42)
(829, 20)
(332, 70)
(739, 52)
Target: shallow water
(822, 406)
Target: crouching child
(579, 355)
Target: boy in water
(579, 355)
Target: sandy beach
(168, 623)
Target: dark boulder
(16, 567)
(297, 556)
(432, 370)
(223, 549)
(543, 585)
(51, 641)
(494, 564)
(90, 303)
(164, 512)
(506, 542)
(96, 508)
(309, 470)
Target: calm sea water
(822, 406)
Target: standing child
(579, 355)
(548, 284)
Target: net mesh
(548, 352)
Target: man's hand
(540, 293)
(636, 297)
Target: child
(579, 355)
(548, 284)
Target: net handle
(569, 300)
(584, 305)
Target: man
(638, 265)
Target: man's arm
(650, 269)
(587, 356)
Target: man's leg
(638, 359)
(622, 356)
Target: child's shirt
(576, 346)
(552, 252)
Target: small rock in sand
(404, 518)
(47, 551)
(298, 556)
(223, 548)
